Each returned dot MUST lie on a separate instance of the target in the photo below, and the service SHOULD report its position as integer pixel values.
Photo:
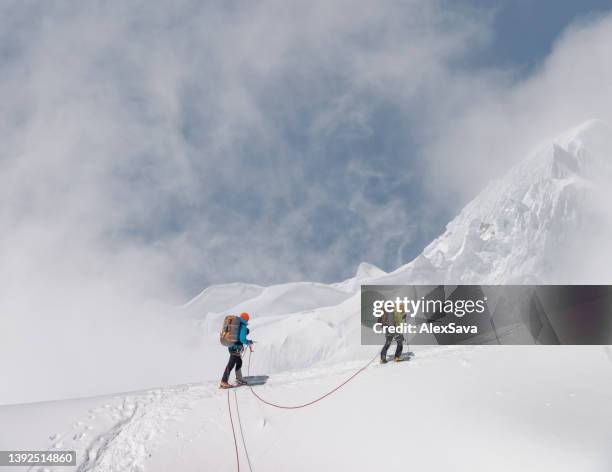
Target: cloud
(512, 115)
(150, 150)
(203, 143)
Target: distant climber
(393, 318)
(234, 335)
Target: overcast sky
(156, 148)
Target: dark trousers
(399, 339)
(235, 360)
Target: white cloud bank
(509, 118)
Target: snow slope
(460, 409)
(447, 409)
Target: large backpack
(392, 318)
(230, 332)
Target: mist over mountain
(546, 221)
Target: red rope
(275, 405)
(246, 451)
(229, 409)
(294, 407)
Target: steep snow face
(530, 225)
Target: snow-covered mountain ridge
(518, 228)
(521, 228)
(513, 231)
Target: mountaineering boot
(225, 385)
(239, 379)
(383, 360)
(397, 359)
